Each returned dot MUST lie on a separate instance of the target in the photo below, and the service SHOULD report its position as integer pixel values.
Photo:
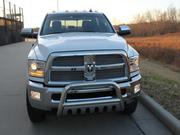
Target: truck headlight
(134, 63)
(36, 68)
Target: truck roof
(75, 12)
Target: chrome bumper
(46, 103)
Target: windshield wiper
(55, 32)
(89, 31)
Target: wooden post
(4, 9)
(22, 15)
(15, 21)
(19, 14)
(11, 24)
(5, 24)
(4, 14)
(10, 10)
(14, 11)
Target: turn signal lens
(134, 64)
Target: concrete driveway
(14, 119)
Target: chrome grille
(72, 68)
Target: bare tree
(172, 14)
(179, 16)
(156, 22)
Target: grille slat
(97, 94)
(67, 75)
(108, 59)
(109, 73)
(91, 95)
(68, 61)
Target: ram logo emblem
(90, 67)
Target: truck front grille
(74, 68)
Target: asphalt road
(14, 119)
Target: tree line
(156, 22)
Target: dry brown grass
(164, 48)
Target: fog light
(137, 88)
(35, 95)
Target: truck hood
(68, 42)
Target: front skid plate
(91, 108)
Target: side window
(51, 23)
(54, 26)
(104, 25)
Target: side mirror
(124, 30)
(28, 33)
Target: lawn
(162, 84)
(163, 48)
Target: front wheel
(131, 107)
(34, 114)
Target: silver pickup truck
(80, 64)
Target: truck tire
(131, 107)
(34, 114)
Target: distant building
(11, 23)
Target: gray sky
(116, 10)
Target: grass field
(164, 48)
(162, 84)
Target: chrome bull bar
(70, 87)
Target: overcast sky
(116, 10)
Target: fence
(11, 23)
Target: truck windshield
(76, 22)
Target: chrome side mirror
(28, 33)
(124, 30)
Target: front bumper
(64, 106)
